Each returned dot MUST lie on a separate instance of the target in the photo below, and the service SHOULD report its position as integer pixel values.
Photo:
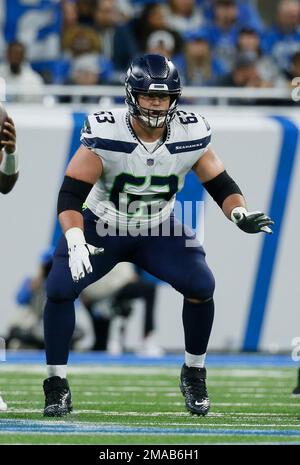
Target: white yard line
(131, 402)
(155, 414)
(263, 372)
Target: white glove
(251, 222)
(79, 252)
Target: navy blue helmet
(152, 74)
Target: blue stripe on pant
(166, 257)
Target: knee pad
(200, 285)
(59, 289)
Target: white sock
(3, 406)
(57, 370)
(192, 360)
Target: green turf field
(132, 405)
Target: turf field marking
(128, 382)
(157, 414)
(263, 372)
(117, 391)
(177, 404)
(54, 427)
(166, 390)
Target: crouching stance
(127, 171)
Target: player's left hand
(9, 136)
(251, 222)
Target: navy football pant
(165, 257)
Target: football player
(130, 165)
(9, 172)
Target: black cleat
(193, 388)
(58, 401)
(296, 391)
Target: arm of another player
(84, 169)
(211, 172)
(8, 158)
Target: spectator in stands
(168, 44)
(161, 43)
(283, 40)
(78, 40)
(26, 330)
(82, 11)
(16, 70)
(183, 15)
(126, 9)
(245, 74)
(201, 67)
(88, 70)
(85, 12)
(223, 31)
(79, 12)
(294, 70)
(247, 13)
(85, 70)
(151, 19)
(249, 41)
(70, 15)
(118, 43)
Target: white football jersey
(140, 185)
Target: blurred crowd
(108, 303)
(212, 42)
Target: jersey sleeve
(205, 133)
(90, 138)
(195, 131)
(87, 135)
(199, 131)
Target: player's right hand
(79, 261)
(79, 252)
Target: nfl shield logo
(150, 161)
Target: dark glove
(251, 222)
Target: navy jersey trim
(189, 145)
(108, 144)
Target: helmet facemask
(151, 118)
